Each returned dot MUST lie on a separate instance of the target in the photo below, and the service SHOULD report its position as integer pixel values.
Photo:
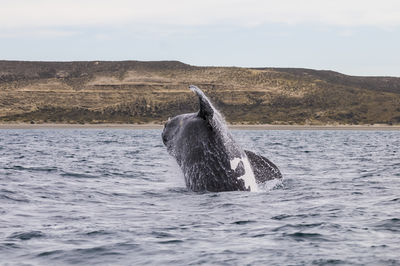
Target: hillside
(140, 92)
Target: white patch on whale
(235, 162)
(248, 176)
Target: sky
(354, 37)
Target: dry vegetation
(140, 92)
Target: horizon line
(216, 66)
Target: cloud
(17, 14)
(38, 33)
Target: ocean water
(115, 197)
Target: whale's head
(173, 130)
(193, 132)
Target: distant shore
(235, 127)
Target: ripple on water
(14, 198)
(243, 222)
(98, 233)
(172, 241)
(301, 236)
(26, 235)
(330, 262)
(287, 227)
(297, 216)
(32, 169)
(102, 254)
(78, 175)
(392, 225)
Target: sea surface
(115, 197)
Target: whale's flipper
(206, 109)
(263, 168)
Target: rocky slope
(140, 92)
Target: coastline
(378, 127)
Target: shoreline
(234, 127)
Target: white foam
(271, 184)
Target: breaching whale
(208, 155)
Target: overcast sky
(357, 37)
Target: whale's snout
(164, 138)
(164, 134)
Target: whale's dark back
(203, 156)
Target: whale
(208, 155)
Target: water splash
(270, 185)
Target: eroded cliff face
(140, 92)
